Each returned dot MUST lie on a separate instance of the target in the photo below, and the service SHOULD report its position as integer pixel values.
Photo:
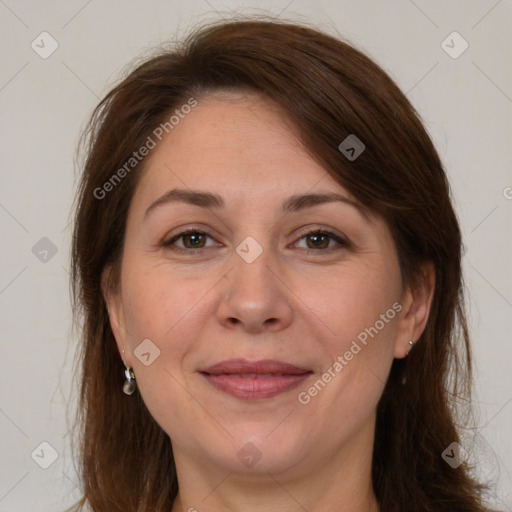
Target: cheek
(357, 317)
(170, 312)
(347, 304)
(160, 305)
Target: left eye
(190, 240)
(321, 240)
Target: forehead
(233, 142)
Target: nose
(255, 297)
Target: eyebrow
(214, 201)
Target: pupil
(194, 239)
(318, 240)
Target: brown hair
(329, 90)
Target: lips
(254, 380)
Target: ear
(416, 302)
(113, 299)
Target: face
(271, 303)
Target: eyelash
(342, 242)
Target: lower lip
(255, 388)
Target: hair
(328, 90)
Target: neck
(341, 483)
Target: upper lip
(263, 366)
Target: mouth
(254, 380)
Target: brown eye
(189, 240)
(193, 240)
(318, 240)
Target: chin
(259, 454)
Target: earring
(411, 344)
(129, 385)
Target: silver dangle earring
(411, 344)
(129, 384)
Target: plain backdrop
(463, 96)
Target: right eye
(189, 241)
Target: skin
(297, 302)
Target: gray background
(466, 103)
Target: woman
(269, 268)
